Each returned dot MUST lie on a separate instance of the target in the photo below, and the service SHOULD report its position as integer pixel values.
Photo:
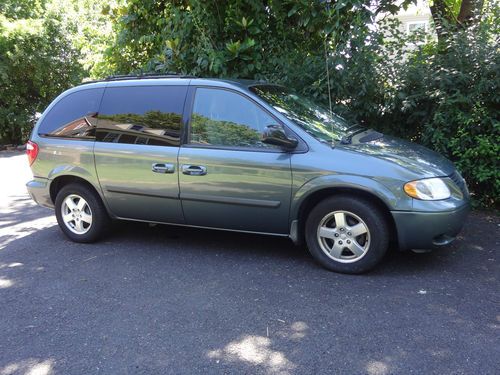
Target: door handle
(163, 168)
(194, 170)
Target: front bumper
(39, 190)
(427, 230)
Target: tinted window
(147, 115)
(73, 115)
(225, 118)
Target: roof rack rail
(120, 77)
(124, 77)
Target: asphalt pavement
(171, 300)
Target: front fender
(353, 182)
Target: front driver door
(137, 143)
(228, 177)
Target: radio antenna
(328, 84)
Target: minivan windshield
(312, 117)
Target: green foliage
(464, 121)
(21, 9)
(443, 95)
(47, 46)
(448, 94)
(439, 93)
(88, 25)
(37, 62)
(237, 38)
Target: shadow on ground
(164, 299)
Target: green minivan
(242, 156)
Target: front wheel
(347, 234)
(80, 213)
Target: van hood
(413, 157)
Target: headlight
(429, 189)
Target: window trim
(425, 23)
(301, 148)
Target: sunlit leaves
(37, 62)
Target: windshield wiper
(347, 139)
(354, 127)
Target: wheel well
(59, 182)
(316, 197)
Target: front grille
(460, 182)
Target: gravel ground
(170, 300)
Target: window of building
(411, 27)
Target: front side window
(74, 116)
(144, 115)
(225, 118)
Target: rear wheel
(347, 234)
(80, 213)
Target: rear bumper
(38, 188)
(427, 230)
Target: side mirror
(275, 135)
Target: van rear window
(74, 116)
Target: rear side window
(147, 115)
(74, 116)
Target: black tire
(373, 219)
(100, 217)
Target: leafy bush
(445, 96)
(462, 120)
(441, 93)
(47, 46)
(238, 38)
(37, 62)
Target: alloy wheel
(76, 214)
(343, 236)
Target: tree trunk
(470, 12)
(442, 17)
(445, 21)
